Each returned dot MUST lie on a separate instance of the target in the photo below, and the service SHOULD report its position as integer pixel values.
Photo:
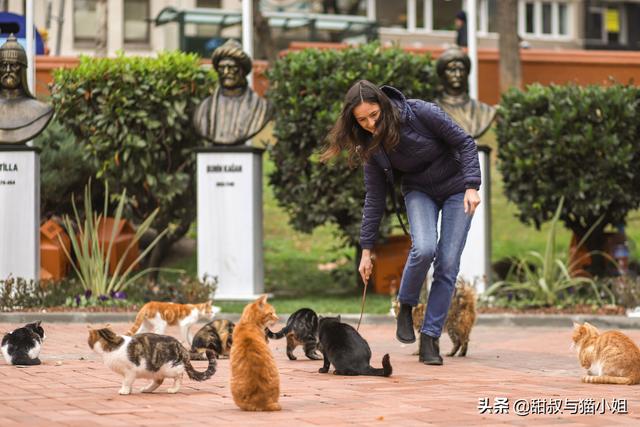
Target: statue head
(232, 65)
(453, 68)
(13, 67)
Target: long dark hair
(348, 135)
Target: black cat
(301, 329)
(344, 347)
(22, 346)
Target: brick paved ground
(73, 388)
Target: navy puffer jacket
(435, 156)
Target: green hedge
(132, 115)
(307, 89)
(580, 143)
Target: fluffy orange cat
(255, 380)
(609, 357)
(155, 316)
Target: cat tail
(24, 360)
(606, 379)
(385, 371)
(202, 376)
(280, 334)
(136, 325)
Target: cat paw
(124, 391)
(323, 370)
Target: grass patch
(376, 304)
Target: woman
(440, 175)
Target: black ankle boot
(404, 330)
(429, 350)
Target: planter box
(54, 264)
(390, 257)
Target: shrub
(65, 168)
(18, 293)
(307, 89)
(93, 257)
(545, 279)
(576, 143)
(132, 115)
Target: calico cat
(215, 336)
(460, 317)
(345, 348)
(301, 329)
(155, 316)
(22, 346)
(147, 355)
(609, 357)
(255, 380)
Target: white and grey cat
(22, 346)
(147, 355)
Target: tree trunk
(103, 28)
(263, 33)
(509, 45)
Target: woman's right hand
(366, 265)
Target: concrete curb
(519, 320)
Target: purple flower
(87, 293)
(119, 295)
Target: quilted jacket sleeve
(374, 203)
(443, 126)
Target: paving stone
(530, 364)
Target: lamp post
(472, 42)
(247, 32)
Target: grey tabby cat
(147, 355)
(301, 329)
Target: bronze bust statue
(22, 116)
(473, 116)
(234, 113)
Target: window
(136, 21)
(215, 4)
(85, 20)
(391, 13)
(444, 14)
(433, 15)
(546, 19)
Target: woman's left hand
(471, 201)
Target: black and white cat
(22, 346)
(147, 355)
(344, 348)
(301, 329)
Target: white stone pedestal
(475, 264)
(230, 220)
(19, 212)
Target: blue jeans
(422, 211)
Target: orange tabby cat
(255, 381)
(155, 316)
(610, 357)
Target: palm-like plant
(93, 257)
(545, 279)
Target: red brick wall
(542, 66)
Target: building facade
(72, 25)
